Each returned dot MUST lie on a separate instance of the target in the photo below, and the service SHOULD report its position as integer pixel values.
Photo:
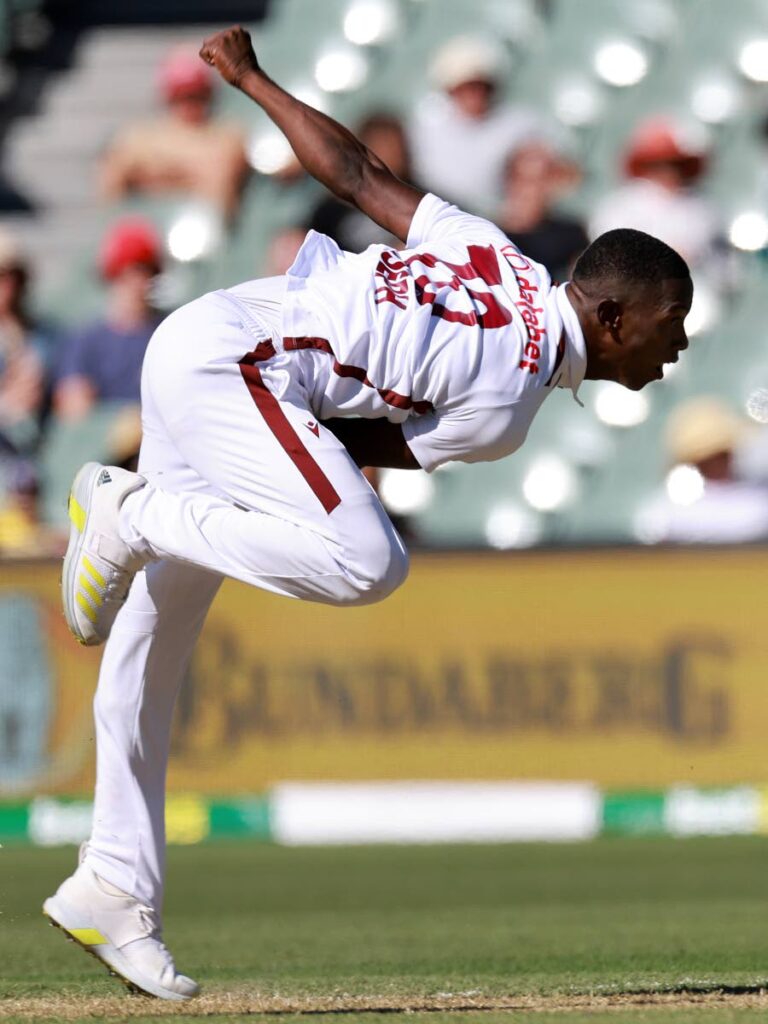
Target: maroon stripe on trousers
(356, 372)
(278, 423)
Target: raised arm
(326, 150)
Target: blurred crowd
(464, 139)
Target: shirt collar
(574, 364)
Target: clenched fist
(231, 53)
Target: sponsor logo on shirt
(526, 305)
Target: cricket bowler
(260, 403)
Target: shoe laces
(117, 587)
(157, 948)
(151, 921)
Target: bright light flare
(404, 492)
(550, 483)
(715, 99)
(618, 407)
(270, 152)
(194, 235)
(685, 485)
(368, 22)
(511, 526)
(749, 231)
(621, 63)
(753, 60)
(577, 103)
(341, 70)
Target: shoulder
(137, 133)
(437, 219)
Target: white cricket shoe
(98, 565)
(121, 932)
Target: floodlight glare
(550, 483)
(341, 70)
(511, 526)
(404, 492)
(368, 22)
(749, 231)
(621, 63)
(685, 485)
(753, 60)
(619, 407)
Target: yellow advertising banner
(628, 668)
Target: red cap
(183, 73)
(127, 243)
(661, 140)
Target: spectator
(22, 535)
(704, 435)
(663, 163)
(461, 134)
(26, 351)
(124, 438)
(535, 177)
(385, 136)
(185, 150)
(102, 362)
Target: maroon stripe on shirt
(278, 423)
(263, 351)
(358, 373)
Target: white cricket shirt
(459, 337)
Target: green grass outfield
(657, 930)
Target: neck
(598, 367)
(127, 310)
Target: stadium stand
(596, 69)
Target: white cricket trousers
(243, 482)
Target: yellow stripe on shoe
(76, 513)
(90, 590)
(87, 936)
(95, 574)
(84, 606)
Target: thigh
(247, 429)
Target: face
(474, 99)
(192, 108)
(650, 331)
(135, 282)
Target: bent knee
(379, 567)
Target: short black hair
(632, 256)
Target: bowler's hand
(231, 53)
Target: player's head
(632, 294)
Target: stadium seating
(611, 470)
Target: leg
(186, 515)
(225, 496)
(112, 903)
(288, 510)
(144, 663)
(145, 659)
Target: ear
(609, 314)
